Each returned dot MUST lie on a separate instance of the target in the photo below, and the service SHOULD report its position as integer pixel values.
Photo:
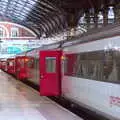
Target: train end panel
(50, 73)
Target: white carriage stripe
(103, 44)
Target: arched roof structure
(46, 16)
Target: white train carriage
(91, 72)
(92, 75)
(85, 71)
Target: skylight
(16, 7)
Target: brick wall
(24, 33)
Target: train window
(70, 64)
(21, 62)
(65, 65)
(30, 63)
(116, 65)
(96, 65)
(86, 65)
(82, 68)
(98, 70)
(90, 69)
(79, 66)
(96, 55)
(108, 65)
(50, 64)
(11, 63)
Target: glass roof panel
(46, 4)
(4, 5)
(26, 12)
(15, 7)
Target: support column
(72, 20)
(71, 24)
(96, 18)
(87, 17)
(115, 14)
(105, 17)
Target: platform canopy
(46, 16)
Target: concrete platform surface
(21, 102)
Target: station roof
(45, 16)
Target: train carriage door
(50, 73)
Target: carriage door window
(11, 63)
(31, 63)
(50, 64)
(21, 61)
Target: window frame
(16, 30)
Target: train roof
(106, 32)
(3, 59)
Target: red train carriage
(22, 67)
(29, 64)
(50, 72)
(33, 66)
(46, 71)
(0, 64)
(11, 66)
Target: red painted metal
(29, 67)
(50, 83)
(21, 68)
(11, 66)
(0, 64)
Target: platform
(21, 102)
